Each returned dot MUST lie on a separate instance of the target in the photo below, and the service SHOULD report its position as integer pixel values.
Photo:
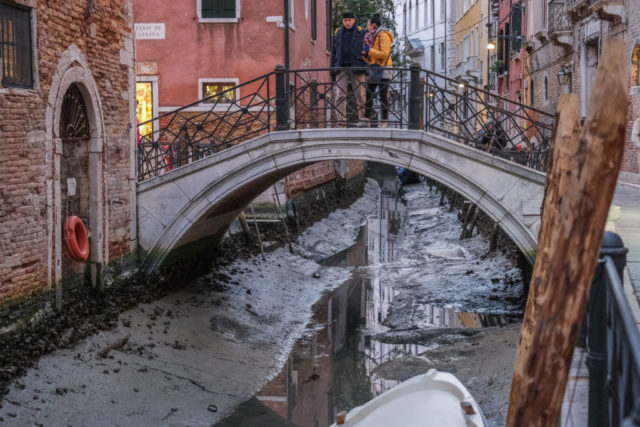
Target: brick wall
(104, 38)
(548, 58)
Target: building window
(218, 10)
(443, 7)
(314, 29)
(417, 16)
(532, 94)
(426, 12)
(219, 91)
(635, 67)
(404, 18)
(144, 107)
(15, 46)
(291, 14)
(433, 57)
(409, 18)
(443, 57)
(546, 89)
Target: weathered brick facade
(90, 45)
(575, 45)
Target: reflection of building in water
(379, 295)
(301, 392)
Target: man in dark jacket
(347, 53)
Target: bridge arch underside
(202, 199)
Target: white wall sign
(149, 31)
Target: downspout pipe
(286, 35)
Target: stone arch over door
(73, 70)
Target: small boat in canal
(431, 399)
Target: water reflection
(336, 365)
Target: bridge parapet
(417, 99)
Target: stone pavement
(624, 219)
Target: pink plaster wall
(244, 50)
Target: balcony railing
(470, 68)
(558, 19)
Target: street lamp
(563, 76)
(491, 45)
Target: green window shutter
(219, 8)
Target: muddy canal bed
(417, 298)
(370, 296)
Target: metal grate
(15, 46)
(74, 121)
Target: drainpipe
(286, 34)
(433, 27)
(446, 28)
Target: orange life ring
(76, 238)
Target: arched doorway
(75, 136)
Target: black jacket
(355, 52)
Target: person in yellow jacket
(377, 53)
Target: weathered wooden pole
(581, 179)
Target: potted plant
(498, 66)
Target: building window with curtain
(218, 91)
(218, 10)
(16, 54)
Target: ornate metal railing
(613, 343)
(559, 21)
(317, 98)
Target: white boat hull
(432, 399)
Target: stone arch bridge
(199, 168)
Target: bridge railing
(613, 343)
(408, 98)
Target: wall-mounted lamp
(563, 76)
(491, 46)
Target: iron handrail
(476, 117)
(613, 343)
(204, 100)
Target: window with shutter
(15, 46)
(314, 30)
(516, 26)
(218, 9)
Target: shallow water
(373, 331)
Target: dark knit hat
(348, 14)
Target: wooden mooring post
(581, 178)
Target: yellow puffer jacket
(381, 48)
